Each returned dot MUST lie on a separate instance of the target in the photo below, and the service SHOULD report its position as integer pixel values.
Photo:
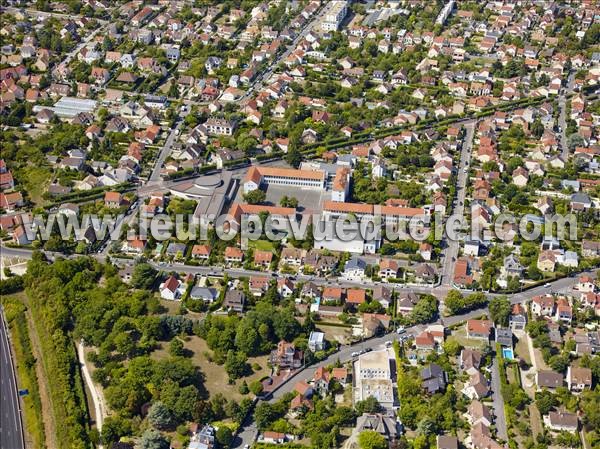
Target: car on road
(547, 285)
(355, 354)
(400, 330)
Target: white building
(334, 16)
(316, 341)
(374, 378)
(258, 176)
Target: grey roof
(504, 336)
(549, 379)
(431, 371)
(204, 293)
(581, 197)
(384, 425)
(175, 248)
(355, 263)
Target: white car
(400, 330)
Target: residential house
(286, 356)
(477, 386)
(479, 329)
(562, 421)
(316, 341)
(234, 300)
(518, 318)
(479, 413)
(548, 379)
(172, 289)
(433, 378)
(579, 379)
(470, 360)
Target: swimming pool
(507, 353)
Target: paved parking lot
(309, 200)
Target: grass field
(26, 370)
(215, 375)
(522, 351)
(460, 335)
(536, 420)
(342, 335)
(36, 181)
(262, 245)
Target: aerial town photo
(263, 224)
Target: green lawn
(460, 336)
(36, 181)
(262, 245)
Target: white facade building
(334, 16)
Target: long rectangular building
(258, 176)
(389, 214)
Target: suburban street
(11, 432)
(164, 152)
(451, 247)
(259, 82)
(69, 56)
(563, 285)
(562, 118)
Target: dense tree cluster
(457, 303)
(251, 335)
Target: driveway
(498, 402)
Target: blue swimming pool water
(507, 353)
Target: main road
(563, 285)
(11, 427)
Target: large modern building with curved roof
(212, 193)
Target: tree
(500, 310)
(256, 387)
(369, 405)
(575, 140)
(243, 388)
(545, 401)
(454, 302)
(176, 347)
(293, 156)
(152, 439)
(264, 415)
(224, 436)
(537, 128)
(286, 201)
(236, 364)
(160, 416)
(369, 439)
(114, 428)
(255, 197)
(452, 347)
(425, 310)
(143, 276)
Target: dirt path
(45, 397)
(99, 407)
(535, 420)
